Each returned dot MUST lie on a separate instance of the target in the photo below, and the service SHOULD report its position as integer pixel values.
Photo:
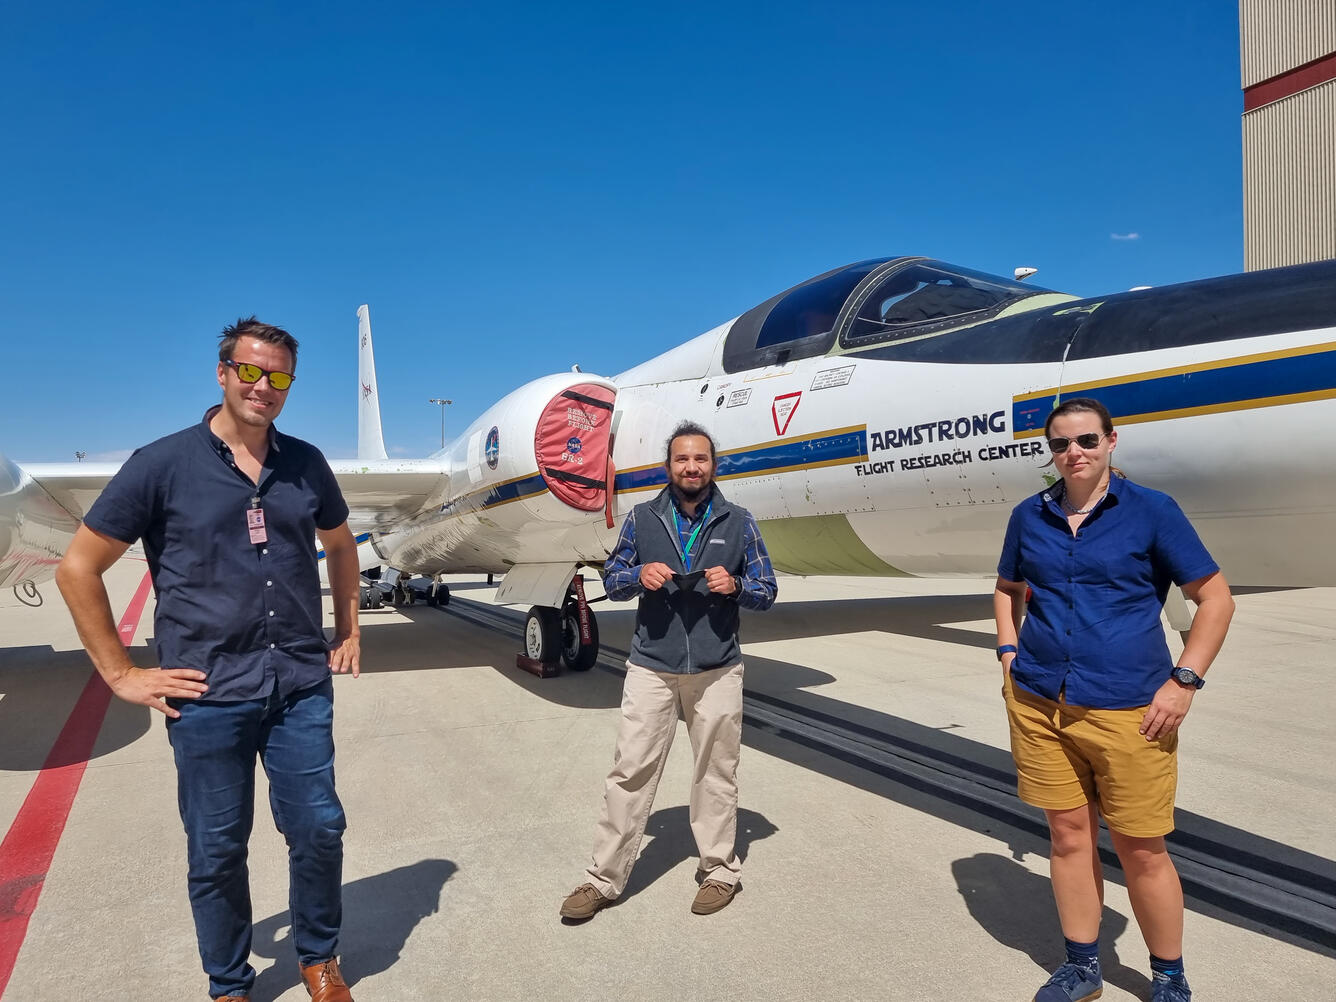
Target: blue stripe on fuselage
(844, 446)
(359, 540)
(1237, 384)
(512, 490)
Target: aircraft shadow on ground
(918, 617)
(921, 616)
(379, 915)
(41, 687)
(31, 720)
(35, 710)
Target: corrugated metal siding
(1278, 35)
(1289, 180)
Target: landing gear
(438, 596)
(542, 634)
(568, 634)
(579, 629)
(400, 590)
(403, 594)
(370, 593)
(576, 653)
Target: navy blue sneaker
(1074, 983)
(1169, 988)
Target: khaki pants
(711, 704)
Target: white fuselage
(929, 491)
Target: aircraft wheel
(578, 656)
(542, 634)
(439, 596)
(364, 598)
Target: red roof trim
(1310, 74)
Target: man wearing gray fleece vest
(693, 559)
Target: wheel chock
(543, 669)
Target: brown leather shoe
(232, 998)
(325, 983)
(713, 895)
(583, 902)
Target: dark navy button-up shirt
(246, 614)
(1092, 626)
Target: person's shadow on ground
(672, 843)
(1015, 907)
(379, 913)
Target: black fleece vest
(686, 630)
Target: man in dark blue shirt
(229, 511)
(693, 559)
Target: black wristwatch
(1186, 676)
(737, 586)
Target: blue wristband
(1005, 649)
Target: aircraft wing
(40, 507)
(379, 493)
(384, 492)
(73, 486)
(42, 504)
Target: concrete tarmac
(472, 789)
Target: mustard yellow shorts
(1067, 756)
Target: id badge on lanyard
(255, 522)
(686, 550)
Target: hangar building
(1288, 55)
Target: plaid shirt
(621, 573)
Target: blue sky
(515, 188)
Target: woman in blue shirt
(1094, 699)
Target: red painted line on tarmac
(26, 852)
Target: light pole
(444, 403)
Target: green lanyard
(686, 550)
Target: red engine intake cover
(571, 445)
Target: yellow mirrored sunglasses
(249, 373)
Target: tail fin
(370, 442)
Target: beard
(690, 493)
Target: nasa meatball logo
(493, 447)
(572, 453)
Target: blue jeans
(216, 745)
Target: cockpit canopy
(871, 302)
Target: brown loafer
(325, 982)
(583, 902)
(713, 895)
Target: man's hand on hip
(154, 686)
(654, 576)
